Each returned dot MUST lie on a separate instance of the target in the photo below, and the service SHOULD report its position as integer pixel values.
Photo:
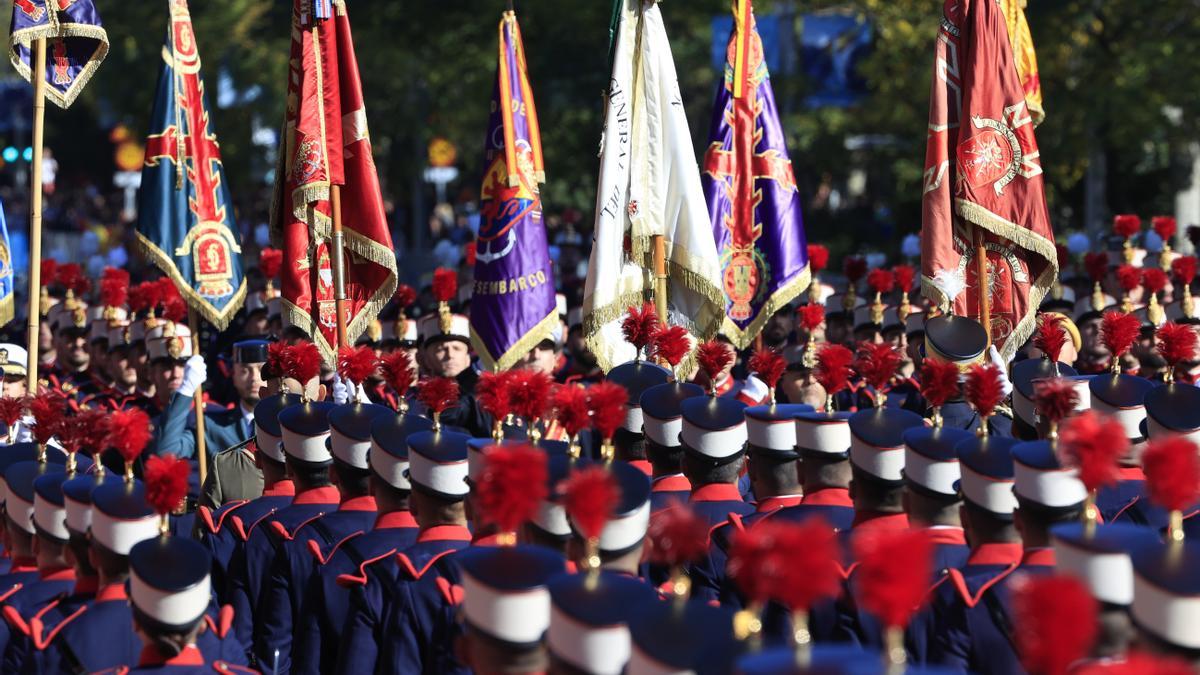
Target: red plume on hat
(677, 536)
(270, 263)
(1094, 445)
(12, 409)
(274, 365)
(1129, 277)
(769, 365)
(1126, 225)
(881, 280)
(904, 274)
(1154, 279)
(713, 356)
(1055, 398)
(445, 284)
(590, 496)
(129, 433)
(754, 562)
(833, 370)
(512, 485)
(492, 393)
(570, 404)
(356, 364)
(810, 573)
(1184, 269)
(639, 327)
(405, 296)
(984, 389)
(671, 344)
(71, 277)
(893, 575)
(166, 484)
(877, 363)
(811, 316)
(1172, 468)
(396, 368)
(49, 269)
(1176, 344)
(1118, 331)
(1096, 265)
(1055, 623)
(48, 410)
(607, 402)
(818, 257)
(175, 309)
(438, 394)
(854, 268)
(1164, 227)
(1051, 336)
(301, 362)
(529, 394)
(939, 382)
(114, 291)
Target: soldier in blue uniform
(18, 545)
(1122, 397)
(305, 430)
(317, 632)
(232, 474)
(666, 637)
(1166, 583)
(630, 440)
(438, 471)
(622, 540)
(713, 435)
(932, 499)
(587, 612)
(662, 420)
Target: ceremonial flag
(325, 142)
(983, 170)
(185, 215)
(1025, 57)
(7, 311)
(753, 204)
(75, 44)
(649, 184)
(512, 306)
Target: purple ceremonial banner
(75, 44)
(512, 304)
(753, 203)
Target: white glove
(24, 430)
(195, 373)
(1002, 365)
(361, 395)
(341, 392)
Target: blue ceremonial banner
(6, 272)
(185, 216)
(75, 44)
(512, 307)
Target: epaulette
(315, 549)
(223, 623)
(960, 584)
(451, 593)
(214, 526)
(239, 528)
(360, 579)
(37, 629)
(403, 561)
(281, 530)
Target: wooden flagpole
(660, 277)
(339, 262)
(35, 212)
(985, 302)
(198, 401)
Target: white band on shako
(1168, 616)
(715, 444)
(267, 444)
(449, 479)
(621, 533)
(932, 474)
(349, 450)
(1155, 430)
(994, 494)
(1108, 574)
(1055, 488)
(79, 514)
(885, 463)
(663, 432)
(174, 608)
(771, 434)
(50, 517)
(306, 448)
(602, 650)
(520, 617)
(831, 436)
(1130, 418)
(392, 469)
(633, 418)
(119, 536)
(552, 517)
(20, 511)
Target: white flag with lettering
(649, 184)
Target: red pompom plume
(769, 365)
(1052, 635)
(1184, 269)
(48, 410)
(405, 296)
(397, 371)
(301, 362)
(275, 354)
(811, 317)
(270, 262)
(983, 388)
(833, 367)
(570, 404)
(529, 393)
(676, 537)
(438, 394)
(854, 269)
(893, 573)
(1129, 277)
(492, 393)
(877, 363)
(445, 284)
(809, 572)
(1126, 225)
(512, 485)
(1051, 336)
(49, 271)
(881, 280)
(166, 483)
(905, 274)
(114, 292)
(1093, 444)
(356, 364)
(129, 433)
(1154, 279)
(713, 357)
(12, 410)
(71, 277)
(93, 425)
(754, 561)
(1055, 398)
(671, 344)
(1176, 343)
(607, 402)
(1096, 265)
(1172, 467)
(939, 382)
(1118, 331)
(818, 257)
(175, 309)
(639, 326)
(589, 496)
(1163, 226)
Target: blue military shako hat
(77, 499)
(350, 431)
(20, 478)
(987, 474)
(626, 525)
(771, 429)
(250, 351)
(697, 639)
(437, 463)
(24, 452)
(1123, 397)
(823, 659)
(551, 517)
(930, 460)
(824, 434)
(267, 434)
(955, 339)
(714, 428)
(1099, 556)
(636, 377)
(1025, 373)
(662, 417)
(169, 582)
(121, 517)
(1040, 478)
(504, 591)
(389, 446)
(305, 428)
(589, 619)
(877, 442)
(1173, 409)
(1166, 592)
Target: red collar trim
(190, 656)
(1039, 556)
(1130, 473)
(716, 492)
(112, 592)
(322, 495)
(86, 585)
(675, 482)
(395, 520)
(776, 503)
(283, 488)
(871, 521)
(995, 554)
(64, 574)
(642, 465)
(358, 504)
(830, 496)
(492, 539)
(946, 535)
(444, 533)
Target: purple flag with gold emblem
(753, 203)
(512, 305)
(75, 44)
